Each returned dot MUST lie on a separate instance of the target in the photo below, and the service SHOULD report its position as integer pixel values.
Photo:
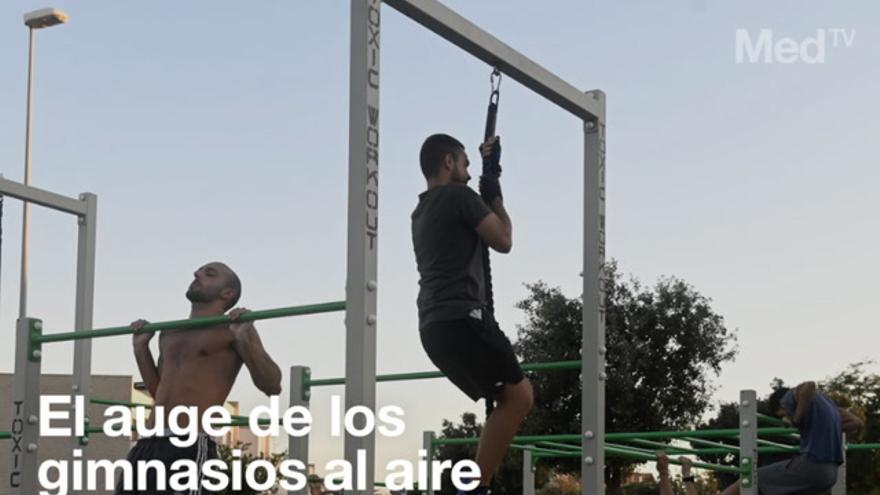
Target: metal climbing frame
(363, 196)
(26, 390)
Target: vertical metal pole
(26, 207)
(593, 350)
(363, 228)
(748, 442)
(85, 295)
(25, 407)
(528, 472)
(839, 487)
(428, 445)
(85, 303)
(300, 394)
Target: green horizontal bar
(518, 439)
(773, 420)
(426, 375)
(539, 449)
(631, 449)
(234, 423)
(191, 323)
(653, 435)
(768, 443)
(672, 460)
(5, 435)
(567, 446)
(854, 447)
(108, 402)
(669, 449)
(709, 443)
(623, 436)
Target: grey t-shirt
(448, 252)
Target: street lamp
(37, 19)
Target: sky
(218, 131)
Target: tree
(859, 391)
(665, 343)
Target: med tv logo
(765, 47)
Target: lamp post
(37, 19)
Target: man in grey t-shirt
(450, 226)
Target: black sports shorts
(161, 448)
(477, 357)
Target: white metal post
(25, 408)
(528, 472)
(593, 351)
(363, 229)
(428, 445)
(300, 395)
(748, 442)
(85, 301)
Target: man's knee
(519, 396)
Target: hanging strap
(491, 120)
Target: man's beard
(197, 296)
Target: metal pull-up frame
(363, 220)
(26, 390)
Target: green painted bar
(631, 448)
(773, 420)
(653, 435)
(853, 447)
(538, 449)
(669, 449)
(519, 439)
(768, 443)
(5, 435)
(709, 443)
(191, 323)
(108, 402)
(672, 460)
(425, 375)
(567, 446)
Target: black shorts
(161, 448)
(475, 356)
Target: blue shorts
(799, 475)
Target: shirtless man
(198, 367)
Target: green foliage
(224, 452)
(859, 391)
(664, 343)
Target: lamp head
(44, 18)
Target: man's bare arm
(690, 488)
(265, 374)
(144, 357)
(663, 473)
(496, 229)
(849, 422)
(804, 394)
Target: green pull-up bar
(190, 323)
